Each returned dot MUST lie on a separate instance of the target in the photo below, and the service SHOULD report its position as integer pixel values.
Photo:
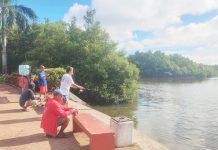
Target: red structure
(23, 82)
(101, 136)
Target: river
(181, 115)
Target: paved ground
(21, 130)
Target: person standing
(66, 83)
(42, 76)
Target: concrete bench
(101, 136)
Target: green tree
(158, 64)
(107, 74)
(12, 15)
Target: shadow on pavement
(10, 111)
(69, 143)
(14, 121)
(22, 140)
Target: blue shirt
(42, 78)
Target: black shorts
(61, 121)
(64, 99)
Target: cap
(41, 66)
(57, 92)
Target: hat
(57, 92)
(41, 66)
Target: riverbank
(142, 141)
(21, 130)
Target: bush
(55, 75)
(11, 79)
(113, 80)
(2, 78)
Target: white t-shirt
(66, 82)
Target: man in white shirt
(66, 83)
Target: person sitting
(55, 115)
(27, 97)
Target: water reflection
(181, 115)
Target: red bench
(101, 136)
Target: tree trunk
(4, 42)
(4, 53)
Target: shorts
(64, 99)
(22, 102)
(33, 102)
(43, 88)
(61, 121)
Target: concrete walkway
(21, 130)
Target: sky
(186, 27)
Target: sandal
(48, 136)
(62, 135)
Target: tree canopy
(158, 64)
(12, 15)
(108, 75)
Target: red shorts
(43, 88)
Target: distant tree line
(158, 64)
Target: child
(42, 81)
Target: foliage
(53, 79)
(158, 64)
(108, 75)
(112, 80)
(12, 16)
(11, 79)
(2, 78)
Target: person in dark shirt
(27, 97)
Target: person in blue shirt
(42, 76)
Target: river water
(181, 115)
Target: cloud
(77, 11)
(162, 18)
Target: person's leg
(34, 103)
(40, 92)
(64, 123)
(43, 90)
(26, 105)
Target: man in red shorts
(42, 81)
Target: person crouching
(55, 115)
(27, 97)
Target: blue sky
(184, 27)
(52, 9)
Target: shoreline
(144, 142)
(24, 132)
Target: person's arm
(32, 95)
(41, 76)
(57, 109)
(74, 85)
(66, 108)
(47, 75)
